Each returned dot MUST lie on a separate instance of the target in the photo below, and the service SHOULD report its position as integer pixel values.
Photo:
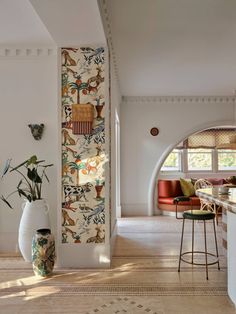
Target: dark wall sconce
(154, 131)
(36, 130)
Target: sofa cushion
(169, 188)
(187, 187)
(213, 181)
(170, 201)
(216, 181)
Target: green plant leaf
(6, 167)
(45, 166)
(46, 177)
(32, 160)
(31, 180)
(22, 192)
(30, 174)
(39, 161)
(33, 175)
(20, 165)
(38, 179)
(4, 200)
(19, 184)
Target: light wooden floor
(160, 235)
(143, 278)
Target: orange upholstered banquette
(169, 189)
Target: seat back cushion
(216, 181)
(169, 188)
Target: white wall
(235, 111)
(28, 94)
(176, 118)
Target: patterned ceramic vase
(43, 252)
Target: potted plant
(35, 209)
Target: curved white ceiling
(169, 47)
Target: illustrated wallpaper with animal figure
(83, 145)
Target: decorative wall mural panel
(83, 145)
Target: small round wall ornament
(154, 131)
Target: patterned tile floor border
(120, 289)
(127, 305)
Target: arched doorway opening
(152, 204)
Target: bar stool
(200, 215)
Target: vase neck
(43, 231)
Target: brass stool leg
(192, 239)
(181, 245)
(217, 253)
(205, 249)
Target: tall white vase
(35, 216)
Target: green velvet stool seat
(199, 215)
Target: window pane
(199, 159)
(172, 162)
(227, 160)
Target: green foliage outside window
(172, 162)
(199, 159)
(227, 160)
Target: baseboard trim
(84, 255)
(113, 237)
(118, 211)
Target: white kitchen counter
(227, 201)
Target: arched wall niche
(181, 137)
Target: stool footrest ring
(199, 252)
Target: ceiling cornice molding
(180, 99)
(27, 52)
(108, 31)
